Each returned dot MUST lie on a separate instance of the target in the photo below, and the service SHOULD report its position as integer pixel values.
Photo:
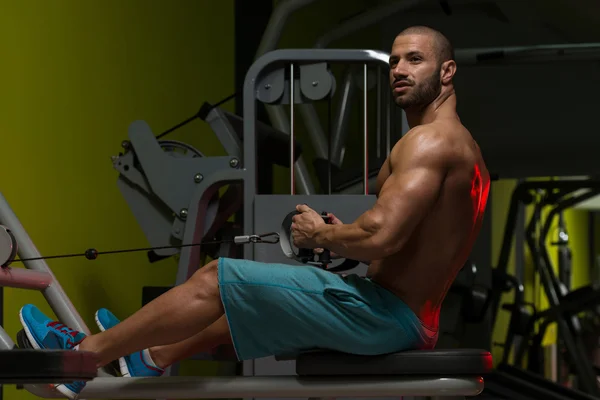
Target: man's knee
(206, 279)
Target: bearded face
(417, 94)
(415, 72)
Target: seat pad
(414, 362)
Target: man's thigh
(278, 309)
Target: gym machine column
(562, 306)
(264, 212)
(346, 184)
(278, 117)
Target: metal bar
(358, 187)
(292, 81)
(218, 120)
(54, 294)
(342, 119)
(518, 195)
(529, 234)
(572, 342)
(519, 299)
(329, 127)
(277, 114)
(314, 129)
(6, 342)
(188, 387)
(303, 183)
(195, 227)
(388, 123)
(361, 21)
(519, 240)
(280, 121)
(365, 132)
(249, 163)
(277, 22)
(281, 56)
(591, 243)
(24, 278)
(563, 204)
(310, 117)
(539, 53)
(577, 352)
(378, 110)
(567, 203)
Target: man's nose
(399, 72)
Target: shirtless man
(432, 193)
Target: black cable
(179, 125)
(92, 254)
(225, 100)
(197, 115)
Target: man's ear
(448, 71)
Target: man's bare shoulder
(424, 144)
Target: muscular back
(421, 272)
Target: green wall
(74, 75)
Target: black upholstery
(22, 366)
(418, 362)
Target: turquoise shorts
(282, 309)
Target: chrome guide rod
(292, 180)
(365, 131)
(388, 123)
(378, 82)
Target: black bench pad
(22, 366)
(415, 362)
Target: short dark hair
(442, 46)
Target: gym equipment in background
(564, 305)
(508, 380)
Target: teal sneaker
(133, 364)
(43, 333)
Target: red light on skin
(479, 197)
(479, 193)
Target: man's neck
(443, 105)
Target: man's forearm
(349, 241)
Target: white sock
(76, 348)
(148, 359)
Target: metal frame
(279, 59)
(183, 387)
(277, 114)
(567, 324)
(340, 31)
(560, 195)
(528, 54)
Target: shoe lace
(63, 329)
